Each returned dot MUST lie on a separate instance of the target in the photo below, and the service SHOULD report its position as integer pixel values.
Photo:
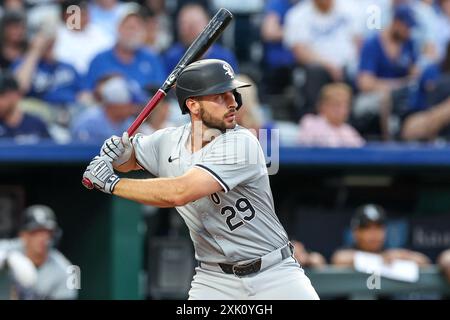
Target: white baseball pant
(285, 280)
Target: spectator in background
(13, 42)
(425, 32)
(113, 117)
(442, 31)
(106, 15)
(48, 276)
(78, 44)
(254, 117)
(429, 115)
(159, 26)
(16, 5)
(15, 123)
(368, 225)
(443, 262)
(152, 30)
(244, 39)
(192, 19)
(54, 84)
(387, 66)
(329, 128)
(180, 4)
(278, 60)
(141, 67)
(306, 258)
(250, 115)
(323, 38)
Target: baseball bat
(201, 44)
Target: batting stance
(214, 173)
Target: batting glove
(117, 149)
(101, 173)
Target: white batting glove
(118, 149)
(101, 173)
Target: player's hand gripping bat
(200, 45)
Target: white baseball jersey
(52, 276)
(236, 224)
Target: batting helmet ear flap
(238, 98)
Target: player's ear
(193, 106)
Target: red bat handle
(159, 95)
(87, 183)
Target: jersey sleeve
(235, 159)
(146, 149)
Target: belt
(257, 265)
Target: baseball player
(214, 172)
(38, 271)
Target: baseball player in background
(214, 173)
(37, 269)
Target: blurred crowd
(336, 73)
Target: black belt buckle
(241, 270)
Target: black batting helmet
(366, 214)
(39, 217)
(204, 77)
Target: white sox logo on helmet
(228, 70)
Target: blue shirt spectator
(375, 60)
(146, 68)
(113, 117)
(191, 21)
(30, 127)
(54, 82)
(42, 76)
(94, 125)
(174, 54)
(14, 123)
(129, 57)
(275, 53)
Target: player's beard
(209, 121)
